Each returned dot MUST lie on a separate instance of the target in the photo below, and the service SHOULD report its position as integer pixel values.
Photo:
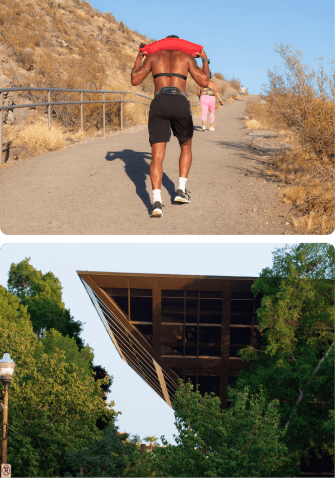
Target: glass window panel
(141, 309)
(191, 293)
(172, 305)
(210, 351)
(210, 318)
(172, 293)
(174, 317)
(244, 305)
(191, 334)
(240, 335)
(211, 305)
(116, 291)
(191, 316)
(241, 319)
(242, 295)
(122, 302)
(191, 304)
(209, 335)
(146, 331)
(172, 334)
(208, 384)
(140, 292)
(191, 350)
(172, 349)
(211, 294)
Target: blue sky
(143, 411)
(238, 36)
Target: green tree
(82, 358)
(53, 404)
(107, 457)
(150, 440)
(245, 440)
(296, 361)
(42, 294)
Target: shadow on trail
(260, 166)
(137, 170)
(238, 146)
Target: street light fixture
(7, 366)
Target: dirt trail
(103, 187)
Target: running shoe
(203, 128)
(182, 196)
(211, 128)
(156, 209)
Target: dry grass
(37, 138)
(254, 124)
(300, 103)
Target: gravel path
(103, 187)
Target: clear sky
(143, 411)
(238, 36)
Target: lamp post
(7, 366)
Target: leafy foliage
(245, 440)
(296, 362)
(107, 457)
(42, 295)
(54, 404)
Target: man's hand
(201, 54)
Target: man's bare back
(169, 61)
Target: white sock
(156, 193)
(182, 183)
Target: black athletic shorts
(170, 112)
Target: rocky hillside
(68, 44)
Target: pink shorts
(206, 102)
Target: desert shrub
(234, 83)
(300, 103)
(26, 58)
(302, 100)
(38, 139)
(121, 26)
(219, 76)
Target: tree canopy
(54, 403)
(245, 440)
(296, 361)
(42, 294)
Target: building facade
(171, 326)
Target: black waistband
(170, 90)
(171, 74)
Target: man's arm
(199, 76)
(139, 73)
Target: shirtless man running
(170, 109)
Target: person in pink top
(207, 102)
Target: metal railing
(81, 102)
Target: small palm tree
(150, 440)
